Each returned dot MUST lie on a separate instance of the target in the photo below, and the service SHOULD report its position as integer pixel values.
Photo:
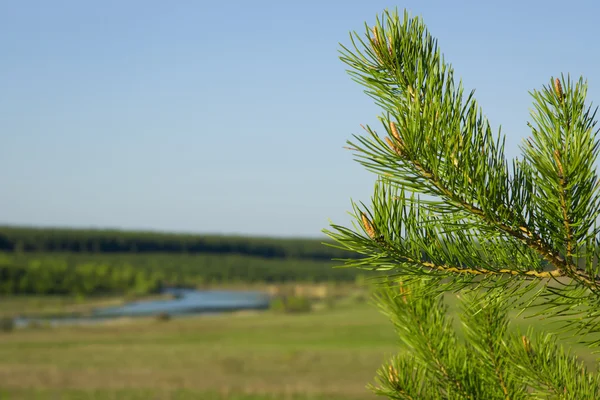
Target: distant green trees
(88, 262)
(89, 274)
(20, 239)
(55, 276)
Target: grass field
(328, 354)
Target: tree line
(89, 262)
(26, 239)
(92, 274)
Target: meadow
(326, 354)
(329, 353)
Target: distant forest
(19, 239)
(92, 262)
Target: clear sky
(230, 117)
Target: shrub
(7, 324)
(163, 317)
(291, 304)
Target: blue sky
(230, 117)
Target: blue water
(186, 302)
(189, 301)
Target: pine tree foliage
(491, 362)
(450, 212)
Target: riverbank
(65, 306)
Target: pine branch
(404, 378)
(421, 323)
(485, 324)
(521, 232)
(403, 243)
(448, 214)
(549, 369)
(407, 76)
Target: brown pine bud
(395, 133)
(558, 89)
(375, 44)
(526, 343)
(403, 293)
(398, 146)
(561, 171)
(393, 146)
(368, 226)
(375, 38)
(392, 374)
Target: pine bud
(368, 226)
(375, 35)
(395, 132)
(376, 46)
(526, 343)
(561, 171)
(392, 374)
(393, 146)
(398, 146)
(558, 89)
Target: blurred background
(167, 169)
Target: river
(184, 302)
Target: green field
(326, 354)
